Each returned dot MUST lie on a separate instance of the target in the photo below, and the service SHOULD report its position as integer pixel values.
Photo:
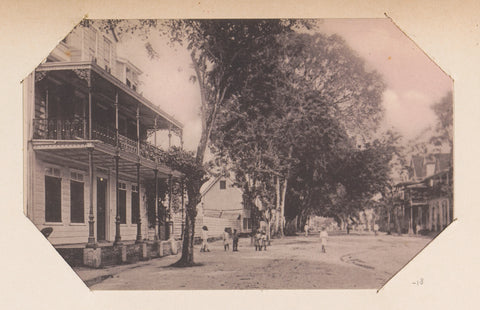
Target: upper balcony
(67, 130)
(80, 103)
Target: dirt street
(351, 261)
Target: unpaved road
(351, 261)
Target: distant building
(427, 195)
(88, 143)
(222, 207)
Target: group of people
(260, 239)
(226, 240)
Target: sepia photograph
(238, 154)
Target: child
(235, 240)
(264, 241)
(323, 238)
(226, 239)
(258, 237)
(204, 240)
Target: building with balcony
(428, 194)
(91, 144)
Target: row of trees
(293, 112)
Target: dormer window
(223, 184)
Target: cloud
(409, 112)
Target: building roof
(417, 165)
(442, 162)
(207, 186)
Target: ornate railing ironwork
(76, 129)
(127, 144)
(105, 134)
(58, 129)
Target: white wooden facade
(222, 207)
(87, 130)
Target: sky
(414, 82)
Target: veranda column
(91, 219)
(183, 209)
(410, 223)
(156, 213)
(139, 218)
(170, 224)
(118, 238)
(156, 205)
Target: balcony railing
(58, 129)
(76, 129)
(104, 134)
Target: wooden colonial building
(222, 207)
(428, 195)
(90, 143)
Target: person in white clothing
(226, 239)
(204, 240)
(323, 238)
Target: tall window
(122, 201)
(53, 195)
(135, 205)
(247, 224)
(77, 204)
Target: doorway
(101, 208)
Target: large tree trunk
(193, 191)
(278, 213)
(282, 208)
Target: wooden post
(183, 209)
(89, 110)
(410, 223)
(91, 218)
(139, 218)
(138, 130)
(84, 120)
(156, 205)
(116, 120)
(170, 191)
(118, 238)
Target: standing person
(306, 229)
(235, 240)
(323, 238)
(204, 240)
(375, 229)
(264, 241)
(226, 239)
(258, 237)
(348, 229)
